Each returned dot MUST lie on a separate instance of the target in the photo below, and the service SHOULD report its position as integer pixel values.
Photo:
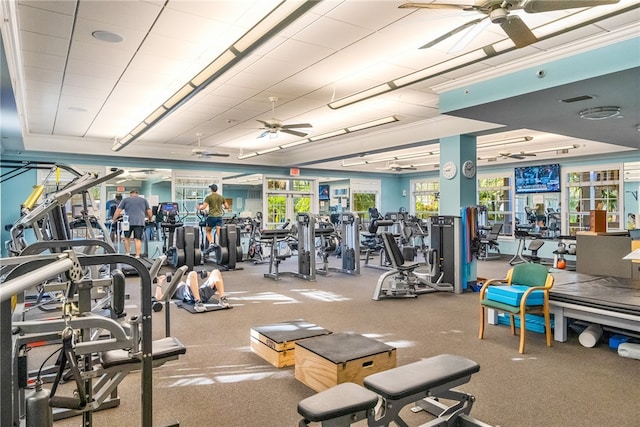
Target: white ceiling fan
(498, 12)
(273, 126)
(200, 151)
(516, 155)
(397, 167)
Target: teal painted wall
(13, 193)
(605, 60)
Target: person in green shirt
(215, 204)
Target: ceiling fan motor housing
(498, 15)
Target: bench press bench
(422, 382)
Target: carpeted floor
(220, 382)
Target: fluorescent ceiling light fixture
(247, 156)
(269, 150)
(373, 123)
(360, 96)
(418, 165)
(210, 70)
(546, 150)
(440, 68)
(279, 18)
(505, 141)
(328, 135)
(390, 159)
(295, 143)
(138, 129)
(155, 115)
(120, 181)
(179, 96)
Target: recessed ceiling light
(599, 113)
(79, 109)
(107, 36)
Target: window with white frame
(592, 188)
(496, 193)
(426, 198)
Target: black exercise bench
(422, 383)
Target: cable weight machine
(349, 243)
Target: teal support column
(456, 190)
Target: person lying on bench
(190, 292)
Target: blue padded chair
(526, 288)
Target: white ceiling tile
(81, 80)
(45, 22)
(196, 29)
(40, 74)
(373, 16)
(44, 44)
(331, 33)
(43, 61)
(99, 70)
(124, 14)
(66, 7)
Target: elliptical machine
(181, 243)
(228, 251)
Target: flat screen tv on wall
(323, 192)
(538, 179)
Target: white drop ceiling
(77, 94)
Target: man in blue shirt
(138, 210)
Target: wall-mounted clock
(469, 169)
(449, 170)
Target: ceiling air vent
(576, 99)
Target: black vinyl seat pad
(343, 399)
(407, 380)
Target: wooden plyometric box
(326, 361)
(276, 342)
(598, 221)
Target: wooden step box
(276, 343)
(329, 360)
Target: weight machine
(349, 244)
(306, 226)
(123, 352)
(275, 237)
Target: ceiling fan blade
(215, 154)
(470, 35)
(518, 31)
(528, 154)
(451, 33)
(266, 124)
(516, 156)
(293, 132)
(413, 5)
(298, 125)
(535, 6)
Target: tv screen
(323, 192)
(538, 179)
